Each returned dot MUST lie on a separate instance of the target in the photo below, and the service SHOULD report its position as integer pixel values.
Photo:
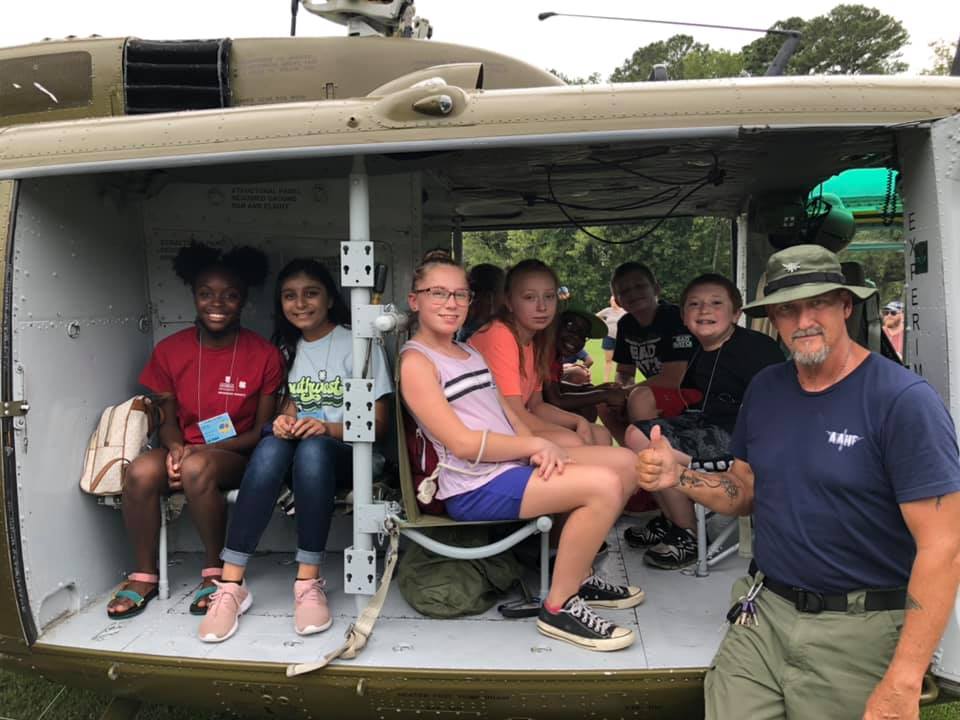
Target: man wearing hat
(848, 462)
(893, 325)
(574, 327)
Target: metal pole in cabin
(359, 297)
(458, 240)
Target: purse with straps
(123, 432)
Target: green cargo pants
(800, 665)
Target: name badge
(219, 427)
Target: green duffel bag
(441, 587)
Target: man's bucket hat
(799, 272)
(598, 328)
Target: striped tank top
(472, 393)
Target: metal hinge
(14, 408)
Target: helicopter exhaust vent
(169, 76)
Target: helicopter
(116, 152)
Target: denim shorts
(608, 343)
(498, 499)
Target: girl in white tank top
(494, 468)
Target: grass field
(26, 698)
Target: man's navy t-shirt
(832, 467)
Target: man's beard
(813, 358)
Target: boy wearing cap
(849, 465)
(575, 326)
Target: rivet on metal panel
(361, 687)
(73, 330)
(113, 672)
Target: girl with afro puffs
(216, 383)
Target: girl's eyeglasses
(440, 295)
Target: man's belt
(808, 601)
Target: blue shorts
(608, 343)
(498, 499)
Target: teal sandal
(204, 593)
(139, 601)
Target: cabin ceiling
(608, 184)
(611, 183)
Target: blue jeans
(317, 462)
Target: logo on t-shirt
(682, 342)
(311, 395)
(233, 389)
(644, 354)
(842, 439)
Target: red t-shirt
(176, 367)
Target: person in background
(611, 316)
(651, 338)
(217, 383)
(575, 326)
(518, 346)
(486, 282)
(893, 325)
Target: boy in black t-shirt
(650, 338)
(724, 362)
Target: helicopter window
(45, 82)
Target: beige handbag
(122, 434)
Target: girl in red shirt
(216, 385)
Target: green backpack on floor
(441, 587)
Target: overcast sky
(574, 46)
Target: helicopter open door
(930, 187)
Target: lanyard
(706, 394)
(233, 360)
(326, 362)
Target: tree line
(850, 39)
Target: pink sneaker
(310, 611)
(227, 604)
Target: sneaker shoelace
(598, 582)
(218, 599)
(314, 592)
(582, 612)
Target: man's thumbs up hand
(656, 466)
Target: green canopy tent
(871, 195)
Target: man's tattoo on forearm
(913, 603)
(689, 478)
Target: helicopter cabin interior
(92, 290)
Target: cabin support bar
(362, 549)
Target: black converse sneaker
(577, 624)
(677, 550)
(649, 534)
(597, 592)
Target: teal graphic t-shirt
(316, 380)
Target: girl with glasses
(492, 467)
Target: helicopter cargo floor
(679, 625)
